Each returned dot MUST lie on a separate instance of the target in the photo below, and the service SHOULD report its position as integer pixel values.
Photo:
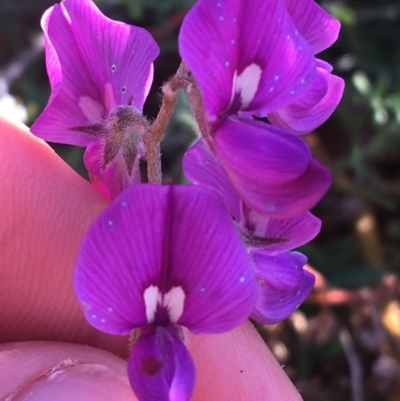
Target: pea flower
(257, 58)
(100, 73)
(161, 258)
(283, 283)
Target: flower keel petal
(160, 368)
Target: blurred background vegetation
(344, 343)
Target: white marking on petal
(288, 37)
(124, 203)
(271, 89)
(221, 18)
(302, 80)
(94, 316)
(247, 83)
(242, 279)
(150, 296)
(276, 77)
(110, 222)
(109, 99)
(227, 63)
(110, 309)
(92, 110)
(300, 47)
(291, 92)
(232, 41)
(103, 320)
(174, 301)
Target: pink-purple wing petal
(285, 234)
(284, 285)
(314, 107)
(316, 26)
(271, 169)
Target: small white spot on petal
(110, 309)
(219, 4)
(297, 33)
(280, 20)
(291, 92)
(242, 279)
(232, 41)
(300, 47)
(276, 77)
(288, 37)
(110, 222)
(221, 18)
(302, 80)
(202, 289)
(271, 89)
(247, 83)
(235, 20)
(227, 63)
(103, 320)
(124, 203)
(94, 316)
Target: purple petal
(173, 248)
(113, 179)
(245, 55)
(160, 368)
(286, 200)
(316, 26)
(271, 169)
(274, 156)
(290, 233)
(313, 108)
(90, 60)
(284, 285)
(202, 167)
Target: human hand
(46, 209)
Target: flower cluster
(207, 256)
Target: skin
(45, 210)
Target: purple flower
(100, 73)
(271, 169)
(257, 58)
(283, 283)
(161, 258)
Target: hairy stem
(155, 135)
(197, 105)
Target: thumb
(45, 371)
